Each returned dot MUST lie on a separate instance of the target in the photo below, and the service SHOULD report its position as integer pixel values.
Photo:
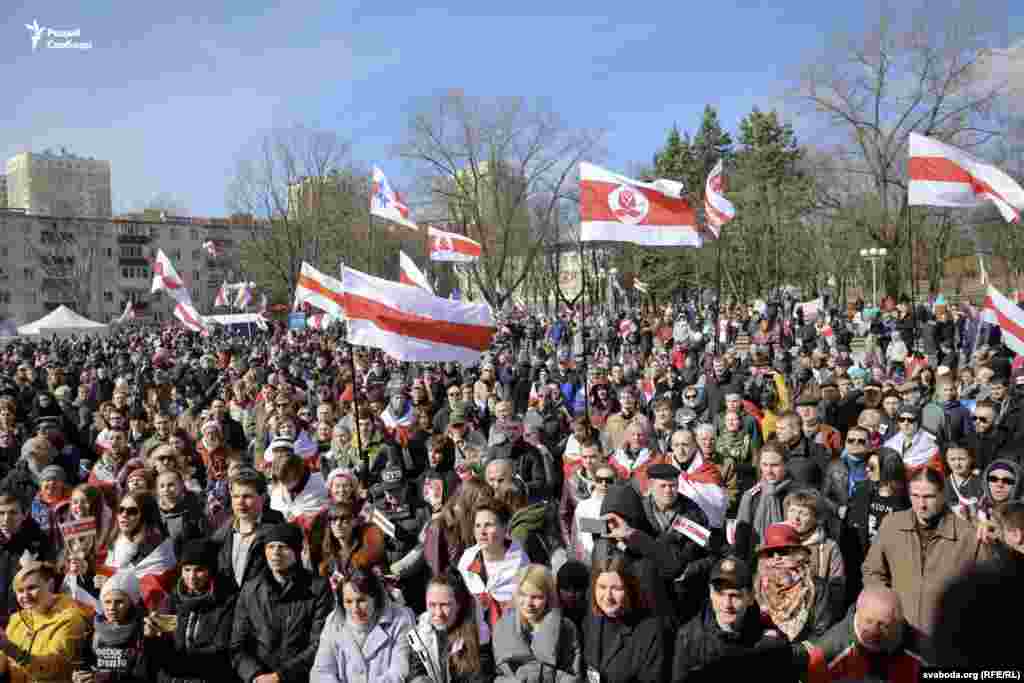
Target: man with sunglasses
(917, 447)
(986, 440)
(844, 473)
(453, 392)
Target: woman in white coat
(365, 639)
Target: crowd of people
(625, 499)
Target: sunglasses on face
(128, 511)
(774, 554)
(906, 420)
(854, 441)
(982, 419)
(1002, 480)
(605, 480)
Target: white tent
(63, 322)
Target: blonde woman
(534, 642)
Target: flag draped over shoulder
(942, 175)
(412, 325)
(615, 208)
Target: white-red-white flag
(212, 248)
(320, 290)
(717, 209)
(244, 296)
(999, 310)
(387, 203)
(614, 208)
(412, 325)
(222, 295)
(166, 279)
(702, 483)
(410, 274)
(942, 175)
(451, 247)
(129, 313)
(190, 318)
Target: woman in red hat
(792, 600)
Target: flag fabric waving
(412, 325)
(166, 279)
(410, 274)
(320, 290)
(212, 248)
(452, 247)
(717, 209)
(244, 296)
(222, 295)
(614, 208)
(1000, 311)
(387, 203)
(942, 175)
(702, 483)
(190, 318)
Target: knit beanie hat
(199, 552)
(126, 582)
(288, 534)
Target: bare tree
(503, 170)
(873, 90)
(309, 201)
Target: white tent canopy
(63, 322)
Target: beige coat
(895, 559)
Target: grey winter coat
(553, 656)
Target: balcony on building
(130, 232)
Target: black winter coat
(277, 627)
(199, 650)
(704, 652)
(637, 653)
(31, 538)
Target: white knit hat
(126, 582)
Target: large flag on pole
(942, 175)
(614, 208)
(411, 325)
(717, 209)
(320, 290)
(129, 313)
(165, 278)
(451, 247)
(1008, 316)
(411, 275)
(387, 203)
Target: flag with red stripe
(410, 274)
(166, 279)
(387, 203)
(412, 325)
(320, 290)
(614, 208)
(1001, 311)
(156, 573)
(717, 209)
(942, 175)
(190, 318)
(451, 247)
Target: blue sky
(171, 94)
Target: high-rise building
(59, 184)
(3, 191)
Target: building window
(195, 276)
(3, 252)
(108, 297)
(195, 254)
(193, 234)
(32, 297)
(30, 274)
(5, 297)
(124, 273)
(110, 253)
(177, 254)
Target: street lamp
(874, 254)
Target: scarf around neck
(769, 506)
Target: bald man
(873, 641)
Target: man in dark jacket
(18, 533)
(279, 615)
(240, 558)
(197, 647)
(806, 460)
(986, 440)
(728, 638)
(527, 461)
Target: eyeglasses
(605, 480)
(852, 441)
(1009, 481)
(690, 397)
(784, 552)
(128, 511)
(907, 420)
(982, 419)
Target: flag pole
(355, 400)
(583, 339)
(718, 287)
(913, 282)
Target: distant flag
(455, 295)
(244, 296)
(387, 203)
(222, 295)
(320, 290)
(451, 247)
(166, 279)
(212, 248)
(1001, 311)
(942, 175)
(717, 209)
(614, 208)
(190, 318)
(410, 274)
(129, 313)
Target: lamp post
(874, 254)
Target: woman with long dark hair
(351, 544)
(445, 643)
(139, 537)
